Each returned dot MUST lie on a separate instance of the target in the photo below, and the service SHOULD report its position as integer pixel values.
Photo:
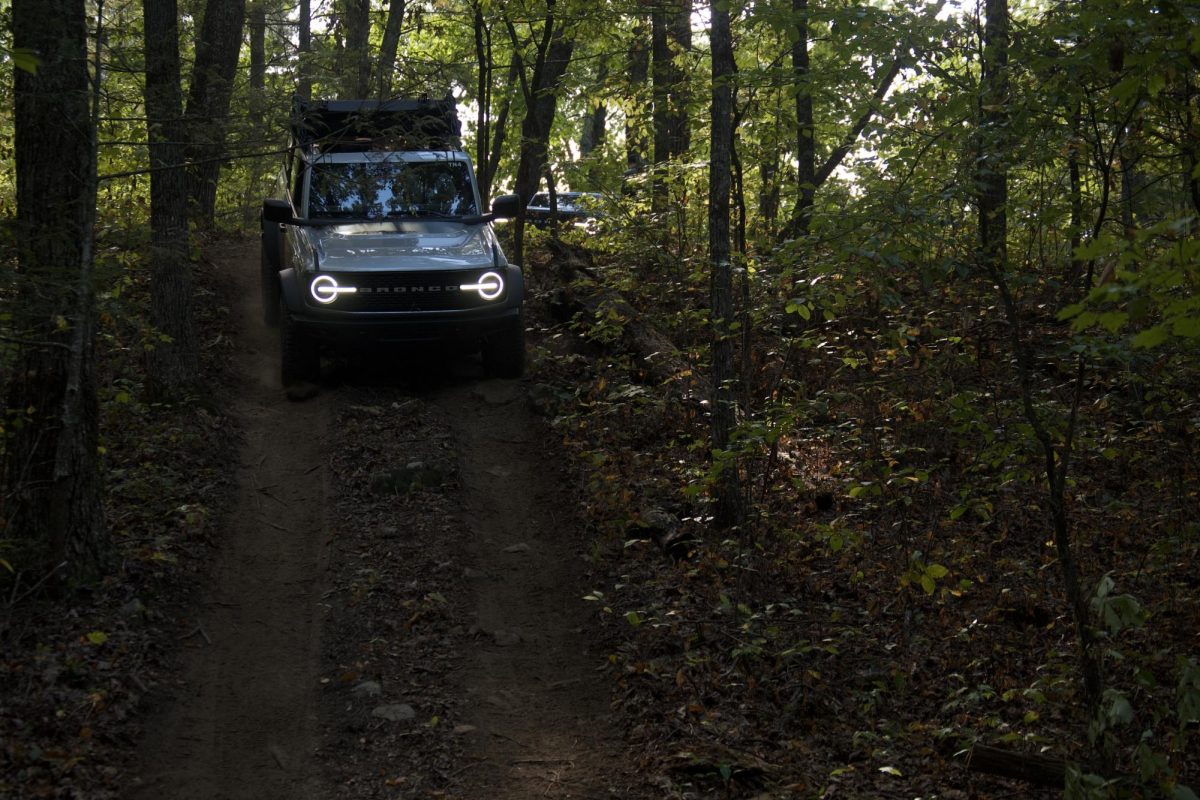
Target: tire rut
(242, 721)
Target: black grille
(408, 291)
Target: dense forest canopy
(936, 261)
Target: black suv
(572, 207)
(376, 236)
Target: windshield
(390, 189)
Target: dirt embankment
(396, 608)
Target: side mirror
(279, 211)
(507, 206)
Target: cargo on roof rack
(350, 125)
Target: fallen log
(660, 361)
(1035, 769)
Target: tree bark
(992, 176)
(541, 101)
(671, 38)
(354, 60)
(258, 61)
(635, 121)
(172, 363)
(389, 47)
(51, 486)
(806, 140)
(730, 509)
(208, 102)
(304, 50)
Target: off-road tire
(299, 357)
(504, 353)
(270, 274)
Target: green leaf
(1121, 712)
(1187, 327)
(1151, 337)
(1070, 311)
(927, 584)
(97, 637)
(633, 618)
(25, 59)
(1112, 321)
(936, 571)
(7, 565)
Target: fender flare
(291, 290)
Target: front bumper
(400, 308)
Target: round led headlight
(490, 286)
(325, 289)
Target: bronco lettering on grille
(405, 289)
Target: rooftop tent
(370, 124)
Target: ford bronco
(376, 237)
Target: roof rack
(356, 125)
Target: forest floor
(408, 581)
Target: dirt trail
(243, 722)
(256, 713)
(531, 682)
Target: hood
(403, 246)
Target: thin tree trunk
(635, 121)
(1075, 179)
(257, 25)
(354, 58)
(499, 132)
(671, 37)
(208, 102)
(1191, 143)
(389, 47)
(304, 51)
(173, 363)
(541, 101)
(730, 507)
(592, 135)
(806, 144)
(51, 487)
(992, 182)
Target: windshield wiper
(465, 219)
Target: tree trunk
(992, 176)
(593, 134)
(389, 47)
(1075, 180)
(499, 134)
(208, 102)
(671, 37)
(635, 121)
(541, 101)
(51, 487)
(995, 145)
(172, 363)
(730, 509)
(258, 62)
(806, 144)
(304, 50)
(1191, 142)
(354, 60)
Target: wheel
(504, 353)
(299, 358)
(270, 274)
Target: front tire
(269, 272)
(299, 357)
(504, 353)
